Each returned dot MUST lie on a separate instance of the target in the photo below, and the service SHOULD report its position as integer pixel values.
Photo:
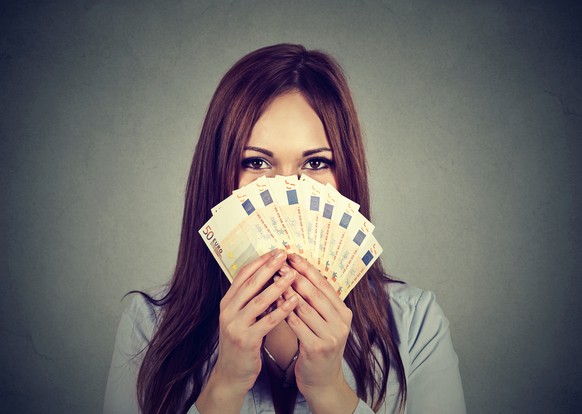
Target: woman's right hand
(241, 331)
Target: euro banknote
(299, 215)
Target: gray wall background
(473, 117)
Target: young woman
(204, 345)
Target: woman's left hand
(322, 323)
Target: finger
(262, 301)
(305, 335)
(339, 317)
(316, 278)
(309, 315)
(247, 271)
(253, 284)
(316, 299)
(280, 300)
(263, 326)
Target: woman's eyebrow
(259, 149)
(270, 153)
(315, 151)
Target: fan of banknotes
(299, 215)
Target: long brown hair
(177, 360)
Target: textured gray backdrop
(473, 116)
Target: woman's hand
(241, 333)
(322, 322)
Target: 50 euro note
(365, 258)
(338, 213)
(261, 196)
(358, 232)
(329, 203)
(287, 193)
(354, 228)
(237, 234)
(313, 196)
(230, 256)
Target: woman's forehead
(288, 118)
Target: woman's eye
(255, 164)
(318, 163)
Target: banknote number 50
(208, 233)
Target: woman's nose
(288, 170)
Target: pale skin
(288, 139)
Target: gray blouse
(423, 339)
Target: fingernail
(295, 258)
(293, 299)
(285, 271)
(275, 278)
(277, 257)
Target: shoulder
(421, 327)
(403, 294)
(416, 314)
(424, 343)
(408, 302)
(140, 318)
(136, 328)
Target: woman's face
(288, 139)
